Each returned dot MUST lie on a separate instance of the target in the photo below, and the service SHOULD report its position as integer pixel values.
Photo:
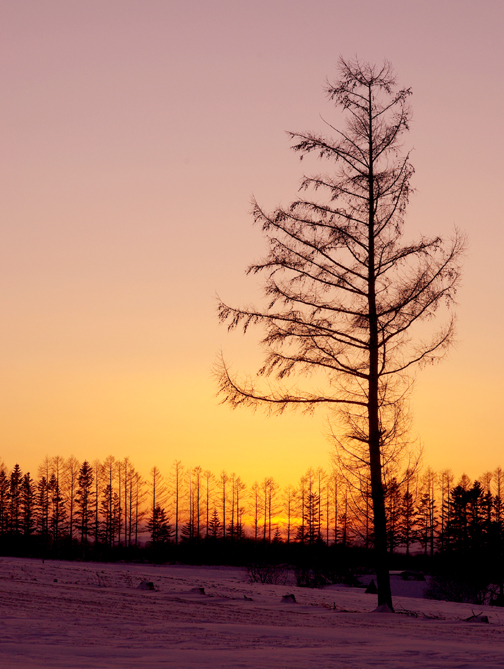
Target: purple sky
(133, 137)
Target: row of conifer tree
(109, 504)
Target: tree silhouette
(15, 480)
(84, 498)
(4, 502)
(345, 294)
(42, 507)
(214, 526)
(209, 481)
(159, 527)
(311, 517)
(71, 472)
(27, 504)
(176, 478)
(408, 519)
(224, 479)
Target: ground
(76, 615)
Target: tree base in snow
(383, 608)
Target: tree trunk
(377, 493)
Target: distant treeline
(96, 509)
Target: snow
(76, 615)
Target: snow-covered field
(61, 614)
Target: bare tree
(335, 492)
(321, 478)
(300, 497)
(498, 479)
(42, 506)
(255, 494)
(139, 498)
(268, 491)
(98, 481)
(224, 478)
(209, 482)
(108, 507)
(45, 468)
(118, 505)
(427, 520)
(70, 474)
(408, 515)
(345, 294)
(58, 503)
(445, 479)
(126, 481)
(176, 481)
(130, 486)
(232, 526)
(289, 499)
(192, 529)
(240, 489)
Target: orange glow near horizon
(135, 136)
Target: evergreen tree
(463, 527)
(71, 471)
(58, 514)
(311, 518)
(477, 521)
(15, 480)
(27, 504)
(107, 512)
(393, 509)
(159, 527)
(84, 498)
(214, 526)
(42, 508)
(4, 502)
(408, 520)
(99, 476)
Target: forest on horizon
(107, 504)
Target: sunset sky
(134, 134)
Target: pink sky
(134, 135)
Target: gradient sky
(134, 133)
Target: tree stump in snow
(289, 599)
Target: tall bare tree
(255, 495)
(346, 296)
(289, 499)
(209, 481)
(139, 494)
(58, 502)
(224, 479)
(70, 475)
(176, 481)
(98, 483)
(240, 489)
(109, 521)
